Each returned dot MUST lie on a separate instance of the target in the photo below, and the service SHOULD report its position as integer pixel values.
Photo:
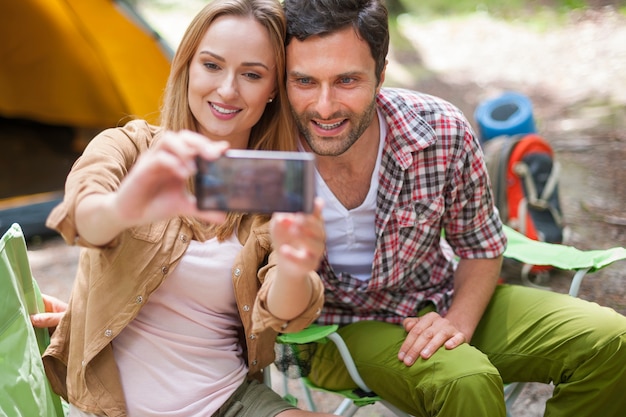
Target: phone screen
(257, 182)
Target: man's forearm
(474, 283)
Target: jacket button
(139, 299)
(237, 272)
(246, 308)
(183, 238)
(164, 270)
(108, 332)
(253, 363)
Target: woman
(170, 314)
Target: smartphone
(254, 181)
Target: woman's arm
(299, 240)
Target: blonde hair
(275, 129)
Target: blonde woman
(174, 310)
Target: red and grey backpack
(523, 172)
(525, 181)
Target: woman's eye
(252, 76)
(211, 65)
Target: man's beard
(334, 146)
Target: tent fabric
(23, 382)
(81, 63)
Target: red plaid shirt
(432, 178)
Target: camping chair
(519, 248)
(23, 382)
(353, 399)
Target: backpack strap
(539, 201)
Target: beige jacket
(113, 283)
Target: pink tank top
(181, 355)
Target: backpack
(524, 178)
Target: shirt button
(164, 270)
(237, 272)
(108, 332)
(183, 238)
(139, 299)
(284, 326)
(246, 308)
(253, 363)
(83, 363)
(252, 336)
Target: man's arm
(474, 283)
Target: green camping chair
(23, 383)
(519, 248)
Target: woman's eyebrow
(245, 64)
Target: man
(396, 168)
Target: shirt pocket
(421, 213)
(419, 225)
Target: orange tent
(82, 63)
(68, 68)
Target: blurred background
(568, 57)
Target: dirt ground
(575, 75)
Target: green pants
(525, 335)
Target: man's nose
(326, 103)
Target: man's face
(332, 87)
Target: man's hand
(425, 335)
(54, 310)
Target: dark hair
(369, 18)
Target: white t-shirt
(181, 355)
(351, 234)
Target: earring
(270, 100)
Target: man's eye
(304, 81)
(346, 80)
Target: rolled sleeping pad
(509, 114)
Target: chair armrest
(313, 333)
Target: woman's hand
(155, 188)
(299, 241)
(54, 310)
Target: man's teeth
(329, 127)
(223, 110)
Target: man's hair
(368, 18)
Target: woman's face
(232, 75)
